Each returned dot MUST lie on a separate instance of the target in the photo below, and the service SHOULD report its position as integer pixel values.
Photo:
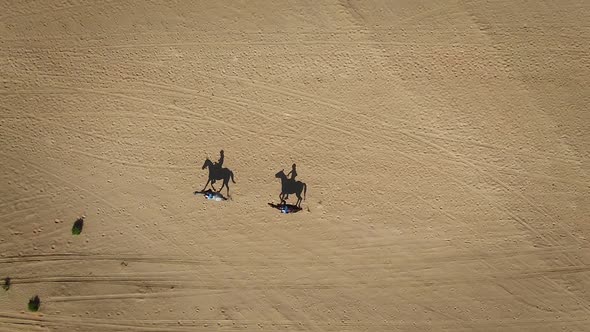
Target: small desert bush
(34, 303)
(78, 225)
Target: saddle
(216, 172)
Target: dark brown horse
(216, 173)
(290, 187)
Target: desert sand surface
(445, 146)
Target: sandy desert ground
(445, 145)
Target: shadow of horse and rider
(289, 184)
(217, 173)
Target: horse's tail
(304, 190)
(231, 174)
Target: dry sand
(444, 143)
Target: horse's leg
(291, 190)
(224, 184)
(297, 189)
(206, 184)
(283, 195)
(287, 191)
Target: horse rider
(293, 173)
(219, 163)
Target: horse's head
(206, 163)
(280, 174)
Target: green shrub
(78, 225)
(34, 303)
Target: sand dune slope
(444, 145)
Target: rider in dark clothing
(293, 173)
(219, 164)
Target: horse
(290, 187)
(218, 174)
